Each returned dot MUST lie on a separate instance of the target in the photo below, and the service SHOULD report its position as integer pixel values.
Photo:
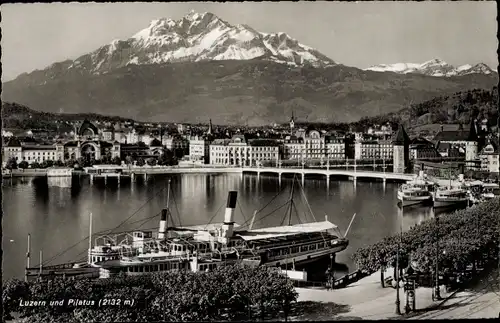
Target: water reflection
(195, 199)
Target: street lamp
(437, 292)
(327, 159)
(398, 300)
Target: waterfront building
(176, 143)
(489, 157)
(240, 151)
(199, 149)
(336, 147)
(466, 142)
(373, 149)
(314, 145)
(450, 150)
(421, 148)
(293, 147)
(401, 151)
(135, 151)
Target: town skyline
(394, 32)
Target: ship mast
(89, 257)
(28, 258)
(291, 203)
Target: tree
(140, 162)
(151, 162)
(35, 165)
(23, 165)
(116, 161)
(58, 163)
(47, 163)
(226, 293)
(464, 235)
(70, 163)
(11, 163)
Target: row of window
(154, 268)
(244, 148)
(296, 249)
(254, 155)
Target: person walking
(329, 278)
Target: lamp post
(327, 159)
(437, 292)
(398, 300)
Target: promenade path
(366, 299)
(481, 300)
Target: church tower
(292, 124)
(209, 132)
(401, 151)
(471, 146)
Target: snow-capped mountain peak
(434, 67)
(199, 37)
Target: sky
(359, 34)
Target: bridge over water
(353, 174)
(328, 173)
(120, 171)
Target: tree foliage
(226, 293)
(11, 163)
(464, 236)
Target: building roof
(71, 144)
(488, 146)
(206, 227)
(13, 142)
(87, 125)
(442, 146)
(39, 147)
(460, 135)
(401, 136)
(273, 232)
(420, 141)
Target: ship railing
(69, 265)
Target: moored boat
(451, 197)
(418, 191)
(490, 191)
(205, 247)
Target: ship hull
(301, 259)
(441, 203)
(409, 201)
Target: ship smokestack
(228, 225)
(163, 224)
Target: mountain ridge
(196, 37)
(136, 78)
(435, 67)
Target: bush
(227, 293)
(463, 236)
(23, 165)
(11, 163)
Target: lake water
(57, 216)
